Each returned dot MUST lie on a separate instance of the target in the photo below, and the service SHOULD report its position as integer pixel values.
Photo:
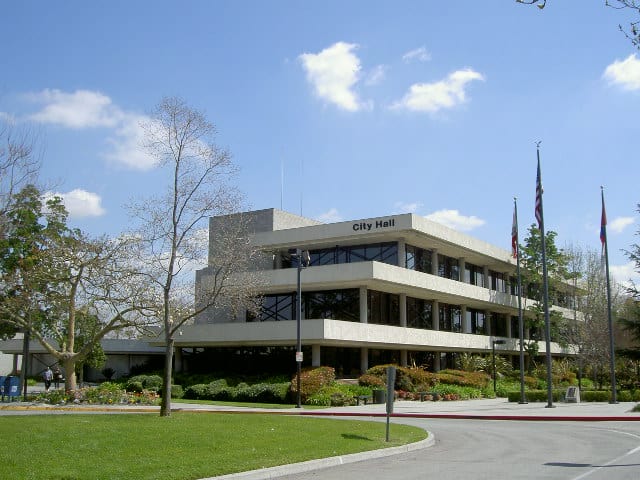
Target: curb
(295, 468)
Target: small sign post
(391, 380)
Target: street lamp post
(303, 261)
(493, 359)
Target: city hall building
(398, 288)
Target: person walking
(57, 377)
(47, 376)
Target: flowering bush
(106, 393)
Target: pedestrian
(57, 377)
(47, 376)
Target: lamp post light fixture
(303, 260)
(493, 359)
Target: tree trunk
(69, 374)
(165, 405)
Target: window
(448, 267)
(477, 320)
(474, 274)
(418, 259)
(498, 281)
(384, 308)
(333, 304)
(377, 252)
(419, 313)
(450, 318)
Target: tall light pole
(303, 259)
(493, 359)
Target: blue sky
(343, 110)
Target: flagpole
(612, 359)
(547, 321)
(516, 248)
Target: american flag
(539, 198)
(514, 233)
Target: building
(398, 288)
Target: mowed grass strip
(184, 446)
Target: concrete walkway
(488, 409)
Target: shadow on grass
(351, 436)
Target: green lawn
(183, 446)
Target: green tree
(532, 285)
(630, 316)
(56, 278)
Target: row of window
(383, 309)
(418, 259)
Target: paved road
(489, 449)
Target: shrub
(368, 380)
(197, 392)
(595, 396)
(536, 395)
(148, 382)
(477, 380)
(311, 381)
(177, 391)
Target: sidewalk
(487, 409)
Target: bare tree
(172, 225)
(19, 166)
(632, 32)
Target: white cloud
(333, 73)
(625, 73)
(84, 109)
(420, 54)
(80, 109)
(80, 203)
(407, 207)
(431, 97)
(624, 274)
(127, 141)
(376, 75)
(330, 216)
(453, 219)
(619, 224)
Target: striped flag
(514, 233)
(539, 197)
(603, 225)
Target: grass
(184, 446)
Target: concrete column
(436, 362)
(508, 326)
(461, 266)
(485, 274)
(403, 358)
(177, 359)
(364, 310)
(315, 355)
(278, 261)
(487, 322)
(466, 322)
(435, 313)
(364, 359)
(434, 262)
(402, 253)
(403, 309)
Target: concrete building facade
(398, 288)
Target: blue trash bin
(12, 387)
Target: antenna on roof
(281, 181)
